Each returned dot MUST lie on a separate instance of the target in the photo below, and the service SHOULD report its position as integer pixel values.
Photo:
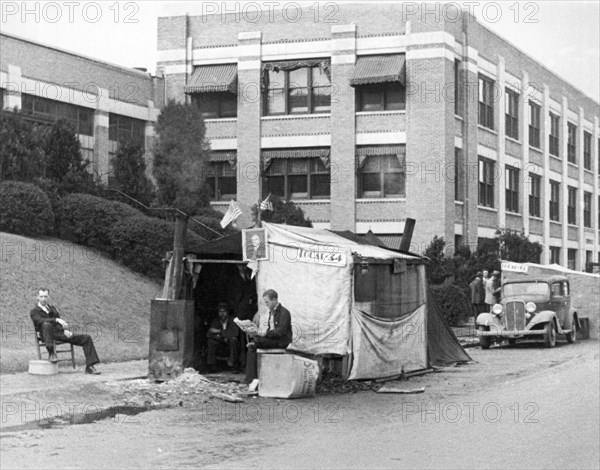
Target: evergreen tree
(129, 172)
(284, 212)
(21, 148)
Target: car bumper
(511, 333)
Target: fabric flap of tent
(376, 150)
(379, 69)
(213, 78)
(229, 156)
(269, 155)
(314, 239)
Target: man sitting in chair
(52, 328)
(277, 336)
(223, 331)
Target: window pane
(320, 185)
(394, 99)
(373, 165)
(208, 103)
(319, 78)
(276, 101)
(298, 166)
(298, 100)
(298, 78)
(370, 183)
(210, 182)
(298, 185)
(322, 99)
(275, 185)
(276, 79)
(371, 100)
(393, 184)
(228, 105)
(227, 186)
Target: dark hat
(223, 305)
(496, 272)
(479, 274)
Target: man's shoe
(92, 370)
(53, 357)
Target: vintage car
(530, 309)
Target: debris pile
(332, 382)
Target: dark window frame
(222, 100)
(511, 116)
(286, 88)
(554, 201)
(587, 209)
(46, 111)
(487, 171)
(218, 173)
(511, 185)
(554, 135)
(124, 128)
(535, 192)
(384, 91)
(534, 124)
(587, 150)
(486, 102)
(571, 143)
(458, 175)
(572, 258)
(571, 205)
(555, 255)
(386, 165)
(314, 171)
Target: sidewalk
(30, 401)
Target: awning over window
(322, 153)
(379, 69)
(229, 156)
(375, 150)
(213, 78)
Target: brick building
(105, 103)
(360, 123)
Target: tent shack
(357, 301)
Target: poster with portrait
(254, 244)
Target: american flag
(266, 205)
(232, 213)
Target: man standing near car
(477, 295)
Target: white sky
(563, 35)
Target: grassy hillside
(94, 294)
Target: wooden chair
(40, 343)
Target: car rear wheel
(549, 335)
(572, 336)
(512, 341)
(484, 341)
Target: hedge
(25, 209)
(453, 303)
(141, 243)
(88, 220)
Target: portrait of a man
(254, 243)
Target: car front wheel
(484, 341)
(550, 335)
(572, 336)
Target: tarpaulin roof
(213, 78)
(379, 69)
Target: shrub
(88, 220)
(454, 305)
(25, 209)
(141, 243)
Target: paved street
(523, 407)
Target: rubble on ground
(333, 382)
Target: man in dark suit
(48, 323)
(223, 331)
(277, 336)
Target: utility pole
(175, 277)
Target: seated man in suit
(223, 331)
(277, 336)
(51, 327)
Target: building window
(572, 205)
(534, 125)
(48, 111)
(486, 182)
(571, 142)
(221, 179)
(511, 176)
(486, 102)
(554, 255)
(571, 258)
(1, 99)
(458, 175)
(535, 195)
(554, 200)
(587, 150)
(123, 128)
(303, 90)
(553, 142)
(381, 176)
(512, 114)
(297, 178)
(216, 105)
(587, 209)
(381, 97)
(457, 88)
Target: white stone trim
(377, 138)
(458, 142)
(171, 55)
(487, 152)
(296, 50)
(292, 141)
(216, 55)
(380, 227)
(174, 69)
(458, 229)
(487, 68)
(381, 45)
(432, 37)
(322, 225)
(223, 144)
(486, 232)
(249, 64)
(431, 53)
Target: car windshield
(526, 289)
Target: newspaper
(247, 326)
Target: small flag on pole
(266, 205)
(232, 213)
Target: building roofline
(103, 63)
(533, 59)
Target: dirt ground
(526, 384)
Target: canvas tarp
(382, 348)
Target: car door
(562, 313)
(557, 298)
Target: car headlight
(497, 309)
(530, 307)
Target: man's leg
(211, 355)
(48, 337)
(234, 352)
(85, 341)
(251, 365)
